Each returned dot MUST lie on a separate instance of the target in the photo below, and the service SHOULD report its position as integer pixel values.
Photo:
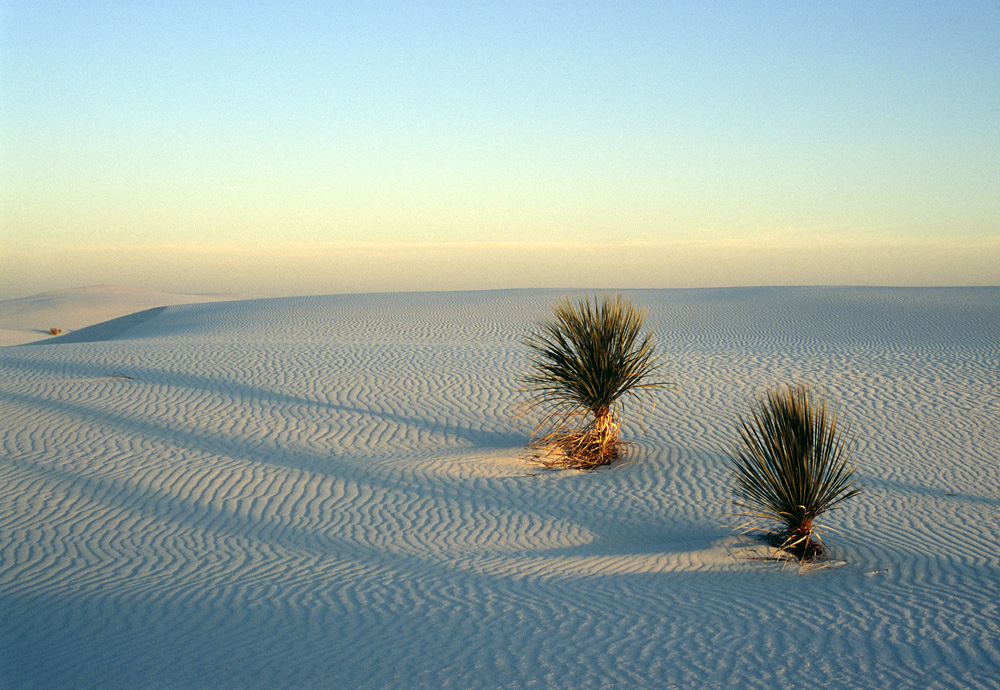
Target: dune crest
(29, 319)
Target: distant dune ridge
(29, 319)
(320, 492)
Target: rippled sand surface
(330, 492)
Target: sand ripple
(329, 492)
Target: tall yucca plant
(584, 362)
(791, 465)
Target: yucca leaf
(586, 360)
(790, 464)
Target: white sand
(327, 493)
(28, 319)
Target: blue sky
(287, 147)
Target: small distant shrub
(791, 466)
(55, 331)
(585, 362)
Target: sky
(317, 147)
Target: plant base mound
(578, 450)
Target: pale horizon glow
(334, 268)
(313, 149)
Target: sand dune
(329, 492)
(29, 319)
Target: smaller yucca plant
(585, 362)
(791, 466)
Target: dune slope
(330, 492)
(29, 319)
